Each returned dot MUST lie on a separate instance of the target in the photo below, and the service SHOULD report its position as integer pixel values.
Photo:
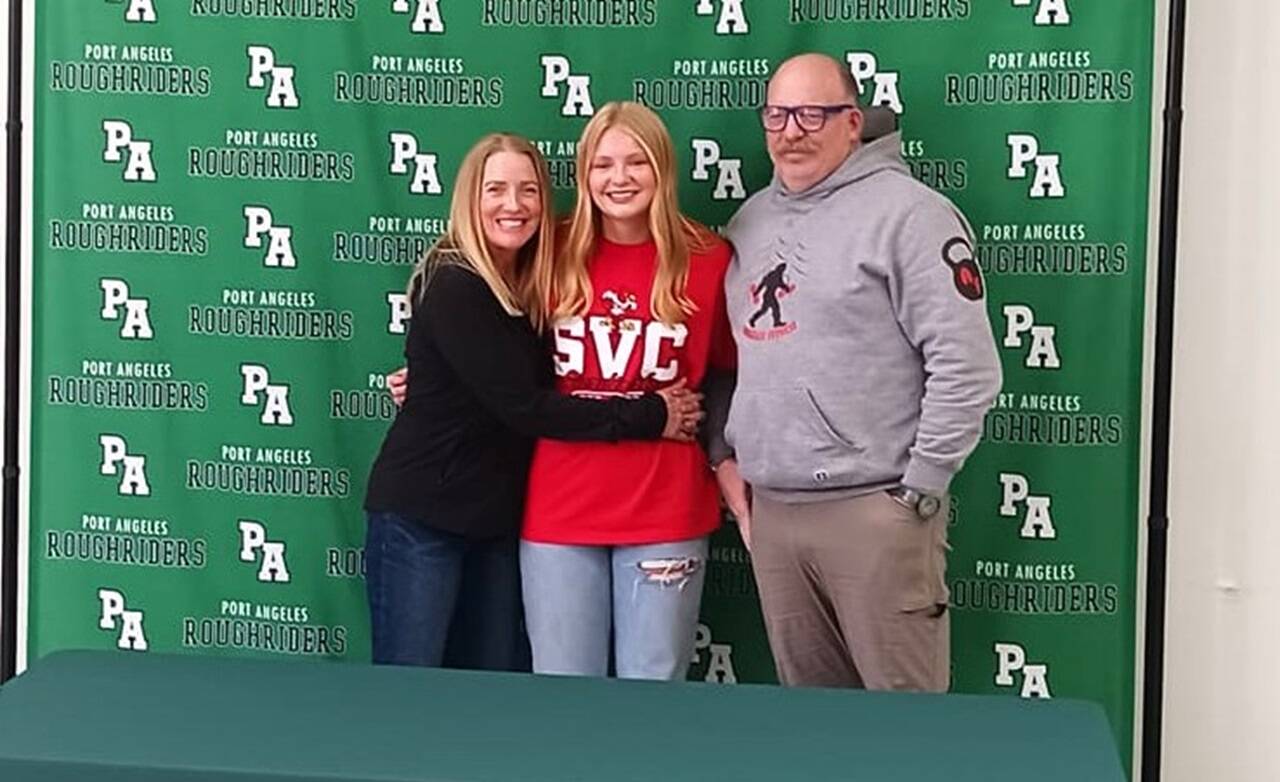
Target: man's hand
(398, 385)
(737, 495)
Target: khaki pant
(854, 592)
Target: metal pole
(12, 332)
(1158, 513)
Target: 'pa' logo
(132, 468)
(259, 220)
(706, 153)
(253, 542)
(556, 71)
(1011, 659)
(885, 84)
(404, 150)
(732, 18)
(262, 63)
(1048, 12)
(138, 166)
(1024, 148)
(1020, 320)
(257, 385)
(398, 304)
(114, 612)
(1037, 523)
(720, 659)
(139, 10)
(426, 14)
(115, 295)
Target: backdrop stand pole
(12, 332)
(1158, 510)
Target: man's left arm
(718, 387)
(721, 378)
(939, 298)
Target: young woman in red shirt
(615, 536)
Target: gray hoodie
(865, 355)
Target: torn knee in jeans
(672, 571)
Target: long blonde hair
(463, 243)
(567, 286)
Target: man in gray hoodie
(866, 363)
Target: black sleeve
(717, 387)
(493, 360)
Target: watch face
(928, 506)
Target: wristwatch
(924, 505)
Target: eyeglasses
(810, 118)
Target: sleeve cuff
(927, 476)
(718, 451)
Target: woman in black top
(446, 493)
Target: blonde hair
(464, 244)
(567, 285)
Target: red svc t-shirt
(631, 492)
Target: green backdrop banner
(230, 194)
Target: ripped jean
(647, 595)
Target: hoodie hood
(883, 154)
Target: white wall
(1222, 705)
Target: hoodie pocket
(784, 439)
(825, 423)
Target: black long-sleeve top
(480, 390)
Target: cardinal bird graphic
(618, 304)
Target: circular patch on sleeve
(957, 253)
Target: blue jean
(648, 596)
(439, 599)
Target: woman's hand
(684, 411)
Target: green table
(106, 716)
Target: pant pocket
(918, 554)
